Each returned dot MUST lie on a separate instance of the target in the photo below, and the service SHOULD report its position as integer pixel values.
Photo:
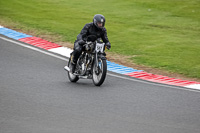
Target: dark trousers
(78, 48)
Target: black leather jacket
(91, 29)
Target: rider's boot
(73, 64)
(73, 67)
(75, 55)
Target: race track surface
(37, 97)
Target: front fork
(96, 61)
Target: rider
(96, 28)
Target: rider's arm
(104, 36)
(84, 32)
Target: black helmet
(99, 21)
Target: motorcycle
(91, 63)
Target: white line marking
(156, 83)
(113, 75)
(194, 86)
(33, 48)
(62, 50)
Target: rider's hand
(108, 45)
(82, 42)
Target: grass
(162, 34)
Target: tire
(72, 77)
(99, 78)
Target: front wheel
(99, 72)
(72, 77)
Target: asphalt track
(37, 97)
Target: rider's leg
(76, 53)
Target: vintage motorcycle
(91, 63)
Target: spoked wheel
(72, 77)
(99, 72)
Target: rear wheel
(72, 77)
(99, 72)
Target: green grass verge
(163, 34)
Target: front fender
(101, 56)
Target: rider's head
(99, 21)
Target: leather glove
(108, 45)
(81, 42)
